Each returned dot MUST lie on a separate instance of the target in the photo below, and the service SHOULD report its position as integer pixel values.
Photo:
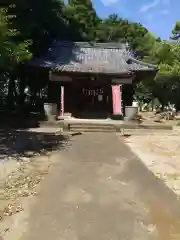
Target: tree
(168, 80)
(114, 29)
(176, 31)
(84, 15)
(41, 21)
(29, 27)
(12, 52)
(143, 93)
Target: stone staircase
(124, 127)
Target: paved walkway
(100, 190)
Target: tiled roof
(91, 57)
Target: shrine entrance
(92, 102)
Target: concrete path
(100, 191)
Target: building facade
(92, 80)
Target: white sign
(100, 98)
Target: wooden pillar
(58, 112)
(110, 105)
(62, 101)
(48, 107)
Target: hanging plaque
(57, 78)
(122, 80)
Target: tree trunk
(11, 92)
(22, 86)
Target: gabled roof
(107, 58)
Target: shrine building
(91, 80)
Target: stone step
(123, 128)
(81, 130)
(101, 126)
(52, 124)
(91, 126)
(145, 132)
(128, 132)
(125, 132)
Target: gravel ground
(22, 171)
(161, 154)
(18, 184)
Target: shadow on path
(24, 143)
(101, 190)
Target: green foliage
(176, 31)
(12, 52)
(41, 21)
(114, 29)
(85, 17)
(143, 93)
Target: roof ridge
(143, 63)
(105, 45)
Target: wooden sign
(57, 78)
(122, 81)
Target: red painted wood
(116, 100)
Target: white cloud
(146, 7)
(109, 2)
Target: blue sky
(158, 16)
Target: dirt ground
(160, 152)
